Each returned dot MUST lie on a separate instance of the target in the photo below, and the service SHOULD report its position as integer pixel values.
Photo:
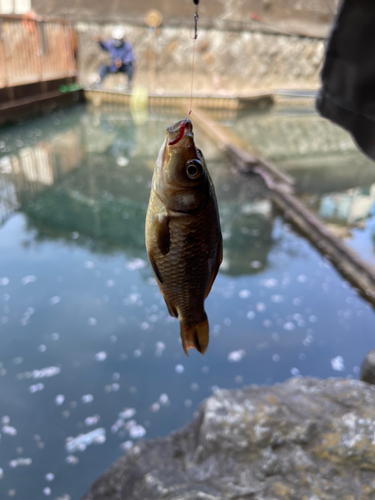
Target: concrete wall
(309, 17)
(226, 62)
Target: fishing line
(196, 19)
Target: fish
(183, 234)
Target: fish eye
(193, 169)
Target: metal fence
(34, 50)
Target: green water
(84, 332)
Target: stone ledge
(303, 439)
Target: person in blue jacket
(121, 53)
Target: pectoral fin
(154, 267)
(163, 239)
(215, 269)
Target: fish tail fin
(195, 336)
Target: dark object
(196, 2)
(284, 441)
(124, 68)
(368, 368)
(347, 96)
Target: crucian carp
(183, 236)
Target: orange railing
(34, 50)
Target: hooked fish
(183, 236)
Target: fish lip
(178, 131)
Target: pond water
(86, 343)
(333, 178)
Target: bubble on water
(6, 297)
(1, 473)
(275, 358)
(164, 399)
(28, 279)
(110, 283)
(8, 429)
(251, 314)
(18, 361)
(133, 298)
(188, 403)
(11, 493)
(205, 369)
(227, 321)
(289, 326)
(87, 398)
(255, 264)
(307, 340)
(4, 281)
(20, 462)
(236, 356)
(260, 307)
(71, 459)
(42, 348)
(179, 368)
(136, 264)
(127, 413)
(159, 348)
(47, 372)
(89, 264)
(269, 283)
(127, 445)
(101, 356)
(239, 379)
(74, 235)
(296, 302)
(5, 420)
(244, 294)
(338, 364)
(36, 387)
(267, 323)
(49, 476)
(55, 336)
(92, 321)
(194, 386)
(122, 161)
(47, 491)
(54, 300)
(313, 319)
(145, 325)
(137, 353)
(116, 376)
(100, 439)
(92, 420)
(277, 298)
(59, 399)
(302, 356)
(294, 372)
(302, 278)
(155, 407)
(137, 432)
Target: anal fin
(171, 309)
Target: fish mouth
(179, 130)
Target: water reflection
(100, 189)
(332, 177)
(90, 360)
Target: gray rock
(368, 368)
(304, 439)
